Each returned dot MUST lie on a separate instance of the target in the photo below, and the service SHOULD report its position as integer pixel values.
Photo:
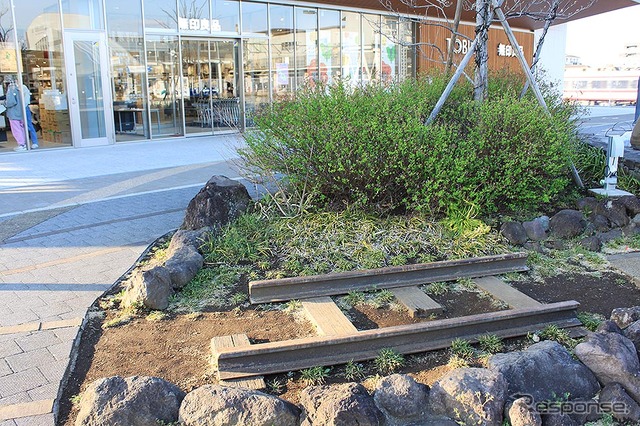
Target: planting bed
(176, 347)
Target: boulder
(615, 400)
(535, 230)
(567, 223)
(544, 371)
(591, 243)
(522, 413)
(216, 405)
(131, 401)
(149, 287)
(608, 326)
(631, 230)
(182, 238)
(470, 395)
(605, 237)
(636, 219)
(183, 265)
(615, 211)
(624, 317)
(221, 201)
(555, 244)
(558, 419)
(613, 359)
(587, 204)
(514, 232)
(632, 332)
(600, 222)
(544, 222)
(402, 397)
(347, 404)
(631, 203)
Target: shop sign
(461, 47)
(8, 62)
(195, 24)
(507, 50)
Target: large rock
(632, 204)
(615, 400)
(131, 401)
(600, 222)
(624, 317)
(567, 223)
(216, 405)
(632, 333)
(514, 232)
(522, 413)
(613, 359)
(608, 326)
(615, 211)
(474, 396)
(402, 397)
(558, 420)
(221, 201)
(347, 404)
(587, 204)
(535, 230)
(183, 265)
(150, 287)
(592, 243)
(544, 371)
(182, 238)
(605, 237)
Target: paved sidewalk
(71, 223)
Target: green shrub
(368, 146)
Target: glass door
(89, 95)
(210, 85)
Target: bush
(368, 146)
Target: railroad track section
(240, 363)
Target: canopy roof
(524, 22)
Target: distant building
(572, 60)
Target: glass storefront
(107, 71)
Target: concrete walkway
(71, 223)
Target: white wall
(552, 59)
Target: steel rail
(291, 355)
(267, 291)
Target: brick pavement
(56, 261)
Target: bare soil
(177, 348)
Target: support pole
(447, 91)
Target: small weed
(436, 289)
(467, 284)
(238, 298)
(590, 320)
(490, 343)
(119, 320)
(354, 298)
(292, 306)
(388, 361)
(75, 400)
(276, 386)
(314, 375)
(156, 316)
(457, 362)
(463, 349)
(553, 332)
(382, 298)
(353, 371)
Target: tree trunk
(483, 21)
(454, 35)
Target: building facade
(109, 71)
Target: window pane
(407, 53)
(371, 45)
(82, 14)
(123, 16)
(128, 71)
(256, 77)
(254, 18)
(90, 93)
(307, 46)
(160, 14)
(282, 50)
(226, 16)
(351, 39)
(329, 45)
(165, 92)
(390, 51)
(38, 32)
